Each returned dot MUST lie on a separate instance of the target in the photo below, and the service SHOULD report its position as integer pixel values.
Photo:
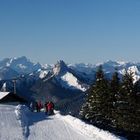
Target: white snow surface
(69, 80)
(42, 73)
(18, 123)
(10, 128)
(89, 130)
(3, 94)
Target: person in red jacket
(50, 108)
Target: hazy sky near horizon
(76, 31)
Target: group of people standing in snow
(38, 106)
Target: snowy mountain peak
(21, 65)
(60, 68)
(66, 77)
(61, 64)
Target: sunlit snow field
(18, 123)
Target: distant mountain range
(62, 83)
(68, 74)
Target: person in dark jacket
(39, 106)
(32, 106)
(46, 107)
(36, 106)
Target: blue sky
(76, 31)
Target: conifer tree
(115, 103)
(85, 108)
(114, 93)
(96, 106)
(137, 107)
(126, 103)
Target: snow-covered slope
(3, 94)
(18, 123)
(10, 128)
(38, 126)
(69, 80)
(65, 76)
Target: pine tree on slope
(114, 93)
(137, 107)
(126, 104)
(96, 107)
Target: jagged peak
(60, 67)
(61, 63)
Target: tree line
(113, 103)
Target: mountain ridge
(64, 84)
(84, 71)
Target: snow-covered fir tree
(114, 93)
(137, 107)
(113, 103)
(96, 108)
(126, 104)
